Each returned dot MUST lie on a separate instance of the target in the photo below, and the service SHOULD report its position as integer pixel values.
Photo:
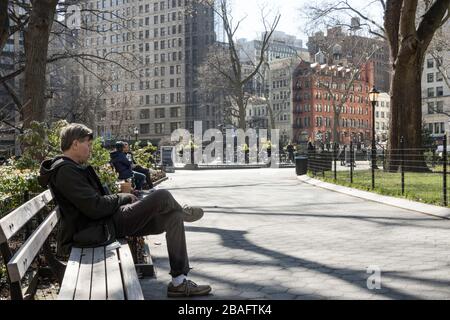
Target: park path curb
(160, 181)
(428, 209)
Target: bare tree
(439, 49)
(409, 35)
(213, 85)
(352, 73)
(37, 20)
(235, 76)
(266, 82)
(36, 38)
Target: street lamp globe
(373, 95)
(136, 132)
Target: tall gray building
(12, 54)
(163, 42)
(281, 46)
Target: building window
(430, 107)
(174, 126)
(144, 128)
(430, 92)
(144, 114)
(175, 112)
(159, 128)
(159, 113)
(440, 106)
(430, 63)
(439, 91)
(439, 127)
(430, 77)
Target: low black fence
(417, 174)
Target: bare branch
(431, 21)
(392, 24)
(264, 46)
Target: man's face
(126, 148)
(82, 149)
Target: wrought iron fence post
(445, 172)
(373, 165)
(402, 152)
(335, 156)
(351, 162)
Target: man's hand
(133, 198)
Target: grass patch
(421, 187)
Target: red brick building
(318, 90)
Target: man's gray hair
(72, 132)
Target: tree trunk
(4, 23)
(271, 116)
(336, 124)
(241, 111)
(36, 48)
(406, 114)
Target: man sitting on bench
(124, 166)
(137, 168)
(90, 218)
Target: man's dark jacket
(86, 210)
(122, 165)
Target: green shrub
(142, 155)
(14, 183)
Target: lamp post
(373, 96)
(136, 132)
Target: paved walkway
(266, 235)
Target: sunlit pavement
(266, 235)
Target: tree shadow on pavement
(390, 221)
(235, 239)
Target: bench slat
(113, 276)
(16, 219)
(83, 290)
(69, 283)
(132, 286)
(23, 258)
(98, 291)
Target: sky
(252, 25)
(292, 21)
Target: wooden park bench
(89, 274)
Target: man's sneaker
(191, 214)
(187, 289)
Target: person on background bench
(91, 218)
(137, 168)
(124, 167)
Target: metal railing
(419, 174)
